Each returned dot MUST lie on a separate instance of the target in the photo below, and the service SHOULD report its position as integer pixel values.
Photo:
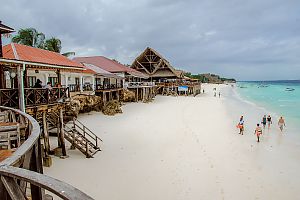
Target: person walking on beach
(281, 123)
(264, 121)
(258, 132)
(241, 125)
(269, 120)
(219, 94)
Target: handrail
(27, 153)
(86, 128)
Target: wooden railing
(22, 173)
(74, 87)
(108, 86)
(87, 87)
(33, 96)
(9, 97)
(170, 84)
(139, 84)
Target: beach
(181, 148)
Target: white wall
(66, 77)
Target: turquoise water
(275, 98)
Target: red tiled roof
(108, 65)
(30, 54)
(104, 63)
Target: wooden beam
(12, 188)
(62, 133)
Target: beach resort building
(28, 114)
(132, 79)
(167, 78)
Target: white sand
(180, 148)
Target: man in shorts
(281, 123)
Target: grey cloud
(233, 38)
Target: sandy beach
(180, 148)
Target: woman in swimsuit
(269, 119)
(258, 132)
(281, 123)
(264, 121)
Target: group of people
(258, 130)
(38, 84)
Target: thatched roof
(151, 63)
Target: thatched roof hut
(151, 63)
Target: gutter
(37, 64)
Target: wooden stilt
(47, 159)
(62, 134)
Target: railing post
(36, 165)
(87, 149)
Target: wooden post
(2, 78)
(36, 165)
(58, 76)
(144, 91)
(25, 79)
(62, 133)
(118, 95)
(21, 88)
(73, 134)
(46, 135)
(104, 97)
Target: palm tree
(54, 44)
(29, 37)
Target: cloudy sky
(247, 40)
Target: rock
(112, 108)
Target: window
(31, 81)
(52, 80)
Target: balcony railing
(74, 87)
(21, 174)
(34, 96)
(88, 87)
(175, 84)
(139, 84)
(108, 86)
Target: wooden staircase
(81, 137)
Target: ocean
(278, 98)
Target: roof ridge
(15, 51)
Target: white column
(46, 75)
(93, 82)
(66, 80)
(21, 87)
(81, 83)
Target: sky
(246, 40)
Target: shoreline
(181, 148)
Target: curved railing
(23, 170)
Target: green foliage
(53, 44)
(29, 37)
(208, 78)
